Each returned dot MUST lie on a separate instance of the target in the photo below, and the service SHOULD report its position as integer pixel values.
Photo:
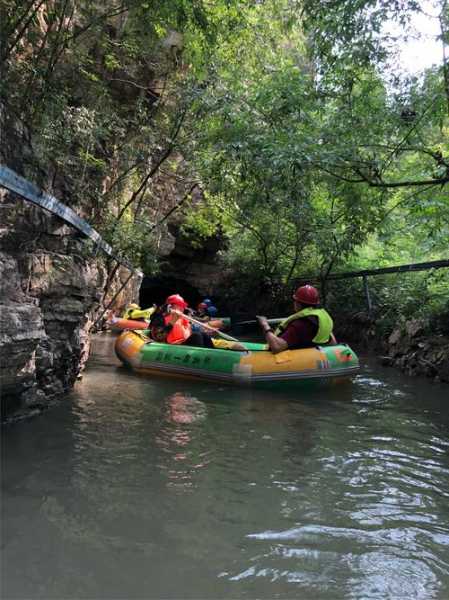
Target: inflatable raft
(257, 366)
(120, 324)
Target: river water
(157, 488)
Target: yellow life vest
(144, 313)
(129, 310)
(325, 323)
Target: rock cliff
(52, 289)
(416, 352)
(413, 346)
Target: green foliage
(131, 241)
(396, 299)
(202, 222)
(94, 92)
(313, 155)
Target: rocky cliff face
(415, 352)
(194, 261)
(52, 289)
(411, 346)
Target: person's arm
(275, 343)
(175, 314)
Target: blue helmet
(212, 311)
(207, 301)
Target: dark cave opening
(154, 290)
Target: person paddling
(308, 327)
(168, 325)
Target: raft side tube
(256, 366)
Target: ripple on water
(142, 485)
(368, 564)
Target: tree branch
(154, 169)
(21, 32)
(385, 184)
(172, 210)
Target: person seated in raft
(129, 309)
(206, 310)
(201, 313)
(168, 326)
(135, 313)
(142, 314)
(212, 311)
(208, 302)
(308, 327)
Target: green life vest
(325, 323)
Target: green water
(138, 488)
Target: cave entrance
(154, 290)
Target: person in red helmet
(309, 326)
(169, 326)
(176, 300)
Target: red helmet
(202, 305)
(177, 300)
(307, 294)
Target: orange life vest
(180, 332)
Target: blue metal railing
(13, 182)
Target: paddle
(270, 321)
(206, 326)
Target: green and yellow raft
(257, 366)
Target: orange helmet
(307, 294)
(177, 300)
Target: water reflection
(150, 488)
(184, 409)
(180, 437)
